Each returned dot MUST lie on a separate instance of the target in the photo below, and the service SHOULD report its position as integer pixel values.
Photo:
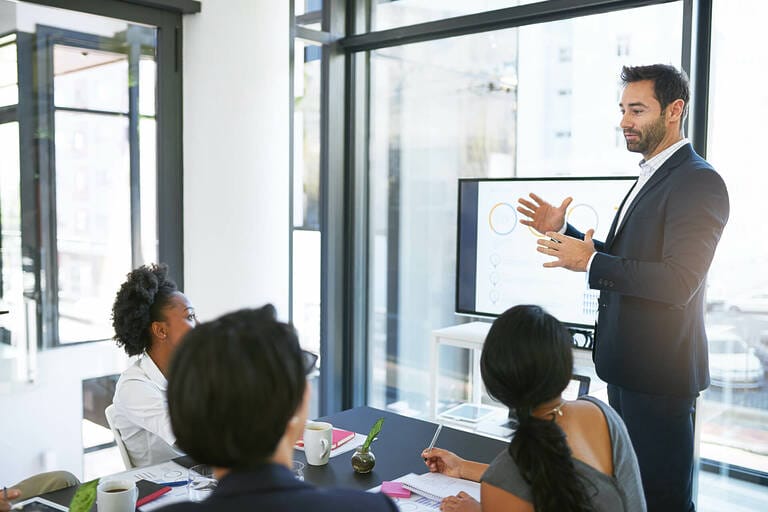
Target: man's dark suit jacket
(650, 330)
(273, 488)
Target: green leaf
(83, 499)
(375, 429)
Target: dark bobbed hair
(234, 384)
(669, 83)
(526, 361)
(139, 302)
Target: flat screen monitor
(497, 265)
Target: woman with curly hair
(150, 316)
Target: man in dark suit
(238, 400)
(650, 343)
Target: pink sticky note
(395, 490)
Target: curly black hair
(139, 302)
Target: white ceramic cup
(117, 496)
(317, 442)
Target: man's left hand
(570, 253)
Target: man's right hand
(543, 216)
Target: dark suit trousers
(661, 430)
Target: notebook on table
(437, 486)
(340, 436)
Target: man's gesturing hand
(570, 253)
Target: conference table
(397, 450)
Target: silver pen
(434, 438)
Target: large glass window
(306, 195)
(541, 100)
(734, 426)
(93, 221)
(9, 91)
(79, 207)
(104, 140)
(13, 360)
(305, 182)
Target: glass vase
(363, 460)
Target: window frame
(165, 16)
(48, 272)
(347, 315)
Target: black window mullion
(47, 267)
(527, 14)
(134, 56)
(335, 340)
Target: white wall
(41, 424)
(236, 129)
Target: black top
(272, 487)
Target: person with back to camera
(565, 456)
(650, 340)
(150, 316)
(35, 485)
(239, 398)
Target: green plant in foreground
(84, 497)
(375, 429)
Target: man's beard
(649, 139)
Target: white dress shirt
(141, 414)
(647, 168)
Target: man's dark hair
(669, 83)
(234, 384)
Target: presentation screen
(497, 264)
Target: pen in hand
(434, 438)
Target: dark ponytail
(527, 361)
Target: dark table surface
(397, 450)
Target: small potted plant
(363, 459)
(84, 497)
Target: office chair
(109, 412)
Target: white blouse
(141, 414)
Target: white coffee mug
(317, 442)
(117, 496)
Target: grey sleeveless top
(621, 492)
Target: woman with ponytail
(565, 456)
(150, 317)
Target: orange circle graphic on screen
(535, 233)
